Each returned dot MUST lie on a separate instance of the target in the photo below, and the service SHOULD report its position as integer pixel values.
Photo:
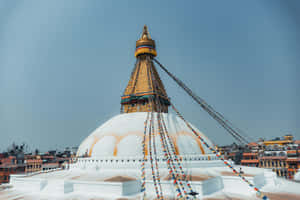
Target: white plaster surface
(130, 128)
(90, 184)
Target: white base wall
(228, 184)
(187, 161)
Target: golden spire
(145, 89)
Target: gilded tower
(145, 91)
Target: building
(50, 166)
(33, 165)
(9, 165)
(4, 174)
(282, 155)
(20, 163)
(279, 142)
(250, 159)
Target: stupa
(121, 136)
(146, 152)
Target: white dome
(122, 136)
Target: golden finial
(145, 45)
(145, 34)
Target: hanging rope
(155, 154)
(218, 154)
(154, 170)
(151, 162)
(170, 168)
(225, 123)
(170, 151)
(143, 173)
(170, 159)
(168, 155)
(234, 132)
(184, 177)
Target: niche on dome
(104, 147)
(188, 145)
(85, 146)
(131, 145)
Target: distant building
(250, 159)
(282, 155)
(50, 166)
(4, 175)
(8, 166)
(16, 162)
(33, 165)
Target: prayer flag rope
(170, 168)
(151, 161)
(155, 155)
(176, 157)
(170, 164)
(169, 154)
(148, 125)
(143, 174)
(259, 193)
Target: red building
(33, 165)
(4, 175)
(250, 159)
(7, 167)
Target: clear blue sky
(64, 64)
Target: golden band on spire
(145, 45)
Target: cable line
(234, 132)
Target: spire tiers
(145, 45)
(145, 91)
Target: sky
(65, 64)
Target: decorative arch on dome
(190, 135)
(84, 148)
(117, 139)
(129, 145)
(188, 145)
(125, 127)
(104, 147)
(110, 144)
